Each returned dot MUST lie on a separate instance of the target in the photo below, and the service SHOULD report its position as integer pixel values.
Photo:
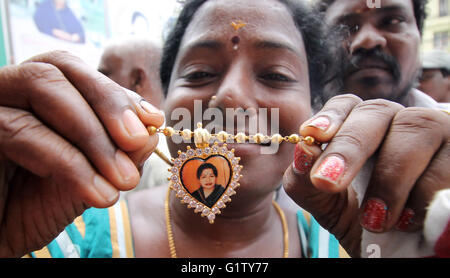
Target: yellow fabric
(113, 230)
(42, 254)
(81, 226)
(127, 230)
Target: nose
(236, 89)
(368, 37)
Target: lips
(369, 64)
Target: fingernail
(149, 108)
(331, 169)
(303, 160)
(405, 219)
(322, 123)
(105, 189)
(126, 167)
(133, 124)
(374, 215)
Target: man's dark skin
(385, 85)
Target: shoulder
(417, 98)
(147, 214)
(97, 233)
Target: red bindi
(235, 40)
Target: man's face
(435, 84)
(112, 65)
(382, 45)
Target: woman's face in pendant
(207, 179)
(267, 73)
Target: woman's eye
(199, 75)
(276, 77)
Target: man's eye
(347, 29)
(393, 21)
(352, 29)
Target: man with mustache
(377, 56)
(380, 48)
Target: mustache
(377, 55)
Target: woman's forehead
(214, 20)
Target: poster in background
(137, 18)
(38, 26)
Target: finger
(142, 155)
(357, 139)
(30, 144)
(58, 104)
(112, 106)
(435, 178)
(334, 212)
(148, 114)
(414, 138)
(324, 125)
(296, 180)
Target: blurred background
(26, 25)
(82, 27)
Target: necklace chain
(172, 248)
(203, 137)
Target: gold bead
(168, 131)
(294, 139)
(186, 134)
(258, 138)
(201, 137)
(240, 137)
(222, 136)
(276, 139)
(152, 130)
(309, 140)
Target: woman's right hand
(409, 149)
(70, 138)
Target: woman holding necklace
(242, 55)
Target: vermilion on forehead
(215, 17)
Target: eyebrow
(208, 44)
(392, 8)
(262, 44)
(267, 44)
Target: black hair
(307, 22)
(206, 166)
(420, 12)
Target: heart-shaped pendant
(205, 178)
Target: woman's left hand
(411, 148)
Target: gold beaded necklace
(216, 154)
(170, 237)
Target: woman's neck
(241, 214)
(208, 191)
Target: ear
(138, 78)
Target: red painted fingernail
(303, 161)
(405, 219)
(331, 168)
(322, 123)
(374, 215)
